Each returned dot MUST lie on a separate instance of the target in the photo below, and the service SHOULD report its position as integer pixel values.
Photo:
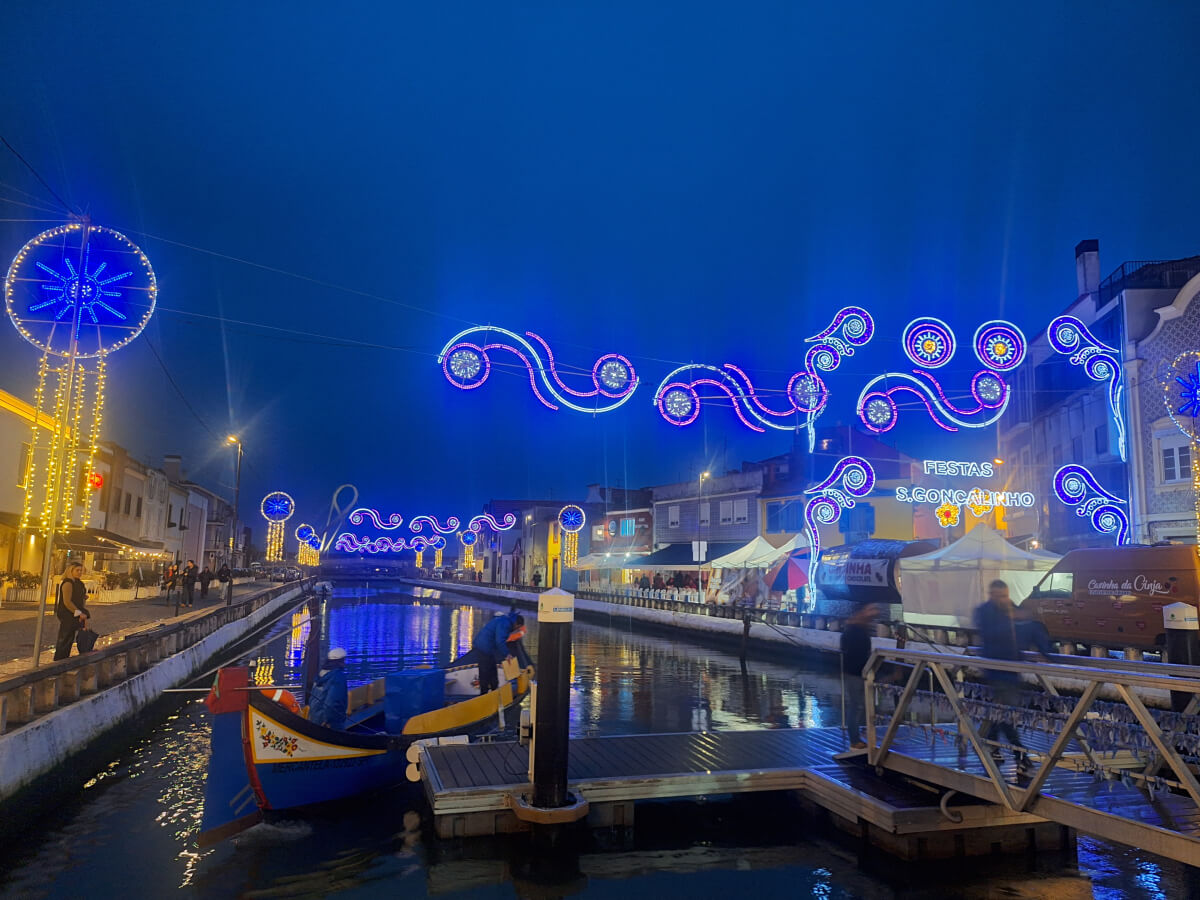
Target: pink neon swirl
(733, 399)
(754, 396)
(932, 410)
(942, 396)
(529, 366)
(476, 524)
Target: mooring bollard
(1183, 644)
(556, 612)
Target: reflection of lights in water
(264, 670)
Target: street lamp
(237, 490)
(704, 476)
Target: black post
(1182, 645)
(556, 612)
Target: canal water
(132, 830)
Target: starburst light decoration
(308, 550)
(468, 539)
(929, 343)
(78, 292)
(571, 519)
(277, 507)
(468, 363)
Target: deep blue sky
(674, 181)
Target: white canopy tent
(942, 588)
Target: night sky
(673, 181)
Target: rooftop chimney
(173, 467)
(1087, 267)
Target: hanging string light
(277, 507)
(571, 519)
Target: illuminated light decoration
(807, 389)
(979, 510)
(571, 519)
(338, 513)
(277, 507)
(807, 395)
(1073, 483)
(95, 481)
(419, 543)
(437, 558)
(467, 366)
(420, 559)
(352, 543)
(451, 526)
(304, 533)
(947, 515)
(929, 343)
(1101, 362)
(962, 497)
(468, 539)
(477, 523)
(852, 477)
(999, 345)
(1182, 397)
(360, 515)
(308, 551)
(80, 290)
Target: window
(170, 515)
(781, 469)
(672, 516)
(1101, 439)
(1176, 464)
(24, 459)
(128, 501)
(627, 527)
(139, 507)
(726, 512)
(785, 516)
(1077, 449)
(741, 511)
(705, 514)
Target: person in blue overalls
(497, 640)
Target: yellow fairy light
(437, 558)
(420, 560)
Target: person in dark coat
(223, 574)
(189, 583)
(856, 650)
(329, 696)
(492, 644)
(1003, 636)
(69, 608)
(206, 576)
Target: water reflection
(141, 814)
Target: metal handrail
(942, 666)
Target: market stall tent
(758, 554)
(942, 588)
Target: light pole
(699, 562)
(237, 490)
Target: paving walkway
(113, 621)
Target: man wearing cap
(327, 702)
(496, 641)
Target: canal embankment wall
(822, 644)
(66, 711)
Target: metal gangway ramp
(1103, 760)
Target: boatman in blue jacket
(327, 702)
(497, 640)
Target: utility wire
(53, 193)
(178, 390)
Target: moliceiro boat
(267, 756)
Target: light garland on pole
(852, 478)
(571, 519)
(468, 539)
(77, 292)
(277, 507)
(1181, 392)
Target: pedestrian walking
(189, 583)
(206, 577)
(223, 574)
(1001, 636)
(856, 650)
(537, 579)
(69, 608)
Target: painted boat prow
(230, 802)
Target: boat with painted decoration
(268, 757)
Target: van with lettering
(1115, 596)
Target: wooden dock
(470, 786)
